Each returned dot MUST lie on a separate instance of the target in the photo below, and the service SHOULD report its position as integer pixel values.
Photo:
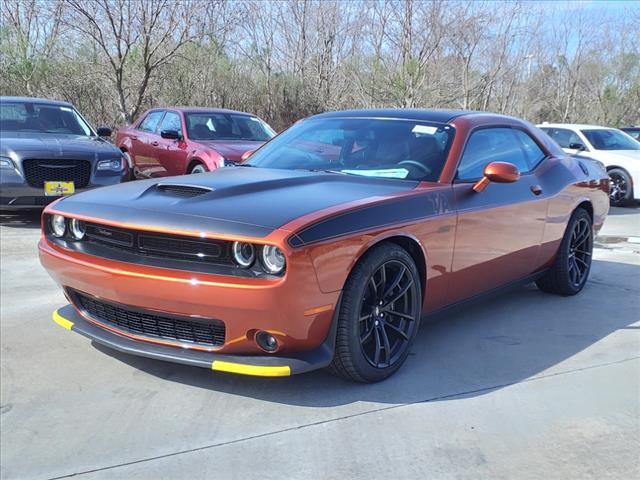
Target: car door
(145, 155)
(499, 230)
(172, 153)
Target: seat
(202, 132)
(426, 150)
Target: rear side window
(562, 136)
(498, 145)
(150, 122)
(171, 121)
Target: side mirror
(171, 134)
(498, 172)
(246, 155)
(104, 131)
(577, 146)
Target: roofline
(46, 101)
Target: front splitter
(257, 365)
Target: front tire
(621, 187)
(572, 265)
(379, 315)
(198, 168)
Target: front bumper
(16, 193)
(257, 365)
(293, 309)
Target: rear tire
(572, 265)
(621, 187)
(379, 315)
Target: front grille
(206, 332)
(39, 171)
(161, 245)
(185, 191)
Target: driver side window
(492, 145)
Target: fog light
(266, 341)
(76, 227)
(58, 225)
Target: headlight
(76, 227)
(58, 225)
(115, 164)
(243, 253)
(6, 163)
(273, 259)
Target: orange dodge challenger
(328, 245)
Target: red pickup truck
(175, 141)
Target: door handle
(134, 137)
(154, 143)
(536, 189)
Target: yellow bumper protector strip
(257, 370)
(63, 322)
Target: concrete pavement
(527, 385)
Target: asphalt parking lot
(527, 385)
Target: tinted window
(532, 152)
(610, 140)
(226, 126)
(563, 137)
(171, 121)
(633, 133)
(498, 145)
(399, 149)
(150, 122)
(41, 118)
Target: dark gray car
(47, 149)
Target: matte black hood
(234, 201)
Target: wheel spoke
(364, 337)
(385, 341)
(395, 283)
(401, 293)
(376, 355)
(586, 265)
(397, 330)
(398, 314)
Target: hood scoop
(182, 190)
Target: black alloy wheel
(379, 315)
(580, 249)
(387, 314)
(619, 187)
(570, 270)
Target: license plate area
(58, 189)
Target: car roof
(45, 101)
(575, 126)
(203, 109)
(424, 114)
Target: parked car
(329, 246)
(632, 132)
(616, 150)
(47, 149)
(175, 141)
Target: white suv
(619, 152)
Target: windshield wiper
(323, 170)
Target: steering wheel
(416, 164)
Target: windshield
(42, 118)
(226, 126)
(610, 140)
(399, 149)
